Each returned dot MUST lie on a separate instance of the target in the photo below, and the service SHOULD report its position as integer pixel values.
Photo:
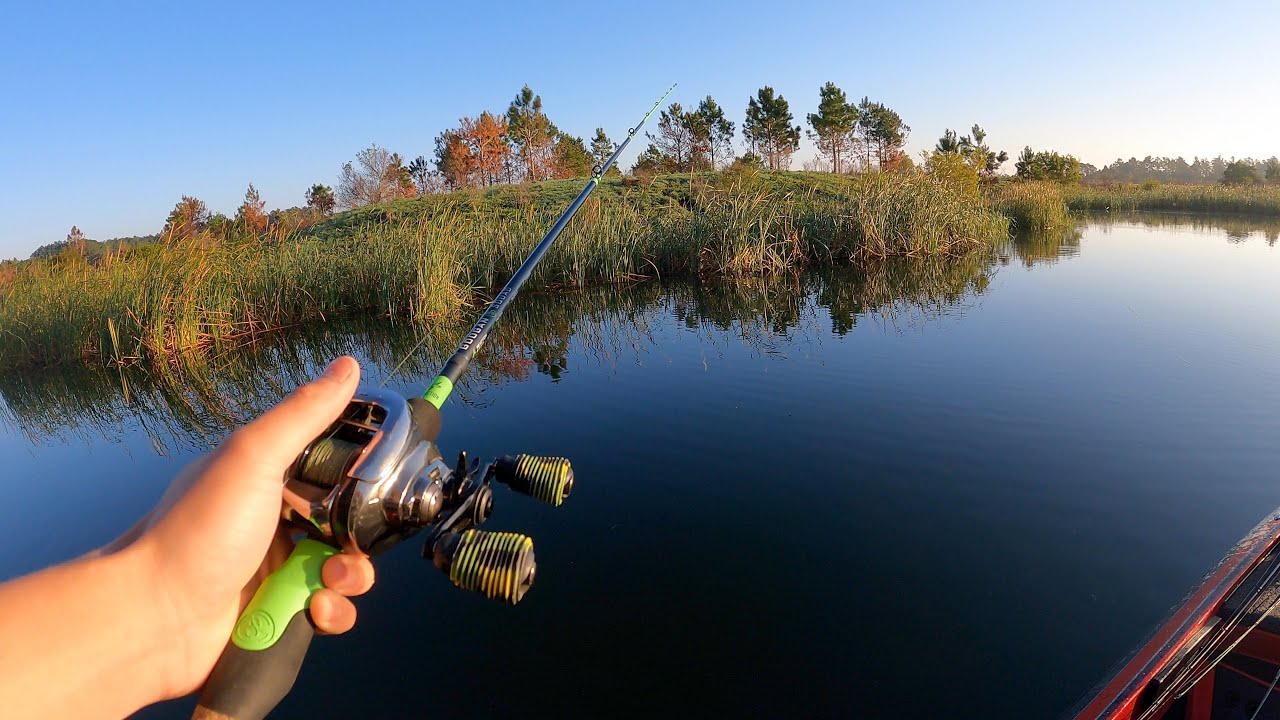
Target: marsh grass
(425, 259)
(1251, 200)
(1031, 206)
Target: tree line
(1178, 170)
(525, 145)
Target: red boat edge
(1131, 682)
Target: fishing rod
(442, 386)
(374, 478)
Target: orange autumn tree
(486, 139)
(252, 214)
(398, 180)
(189, 217)
(453, 160)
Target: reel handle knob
(547, 479)
(498, 565)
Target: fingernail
(340, 572)
(337, 370)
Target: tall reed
(1031, 206)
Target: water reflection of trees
(1237, 228)
(1048, 246)
(193, 406)
(1036, 248)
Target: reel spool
(377, 477)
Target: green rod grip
(261, 661)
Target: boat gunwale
(1114, 698)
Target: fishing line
(1266, 696)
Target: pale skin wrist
(148, 619)
(145, 618)
(93, 642)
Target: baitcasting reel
(373, 479)
(376, 477)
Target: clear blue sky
(111, 111)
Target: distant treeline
(1178, 170)
(93, 250)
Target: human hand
(215, 534)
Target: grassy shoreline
(427, 258)
(1249, 200)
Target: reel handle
(497, 565)
(545, 479)
(262, 658)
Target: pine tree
(675, 139)
(532, 132)
(453, 159)
(713, 132)
(486, 137)
(882, 131)
(187, 218)
(985, 160)
(320, 198)
(76, 242)
(768, 129)
(601, 150)
(948, 143)
(651, 162)
(420, 171)
(833, 125)
(1048, 165)
(601, 147)
(571, 157)
(973, 149)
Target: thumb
(233, 502)
(273, 441)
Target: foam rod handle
(261, 661)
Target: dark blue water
(939, 491)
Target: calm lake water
(955, 490)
